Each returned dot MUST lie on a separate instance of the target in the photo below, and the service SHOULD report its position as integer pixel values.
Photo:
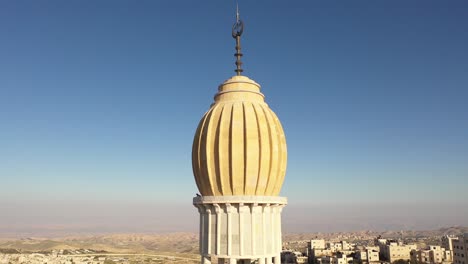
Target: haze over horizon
(99, 102)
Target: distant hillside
(456, 230)
(185, 243)
(118, 243)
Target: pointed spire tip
(237, 30)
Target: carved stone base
(240, 228)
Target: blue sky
(99, 102)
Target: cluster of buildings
(38, 258)
(432, 254)
(58, 257)
(321, 252)
(453, 250)
(458, 247)
(393, 250)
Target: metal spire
(237, 30)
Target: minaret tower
(239, 163)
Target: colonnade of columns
(240, 229)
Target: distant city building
(447, 242)
(322, 252)
(392, 250)
(317, 244)
(340, 246)
(293, 257)
(375, 248)
(370, 254)
(337, 259)
(432, 255)
(317, 253)
(460, 250)
(319, 248)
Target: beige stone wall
(396, 252)
(317, 244)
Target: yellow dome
(239, 147)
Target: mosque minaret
(239, 162)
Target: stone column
(265, 231)
(273, 228)
(268, 260)
(229, 229)
(280, 238)
(217, 209)
(261, 261)
(242, 210)
(279, 209)
(206, 233)
(254, 211)
(201, 210)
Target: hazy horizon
(59, 218)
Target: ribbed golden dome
(239, 147)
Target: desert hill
(187, 243)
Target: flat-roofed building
(392, 250)
(432, 255)
(368, 255)
(317, 244)
(293, 257)
(460, 250)
(337, 259)
(447, 242)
